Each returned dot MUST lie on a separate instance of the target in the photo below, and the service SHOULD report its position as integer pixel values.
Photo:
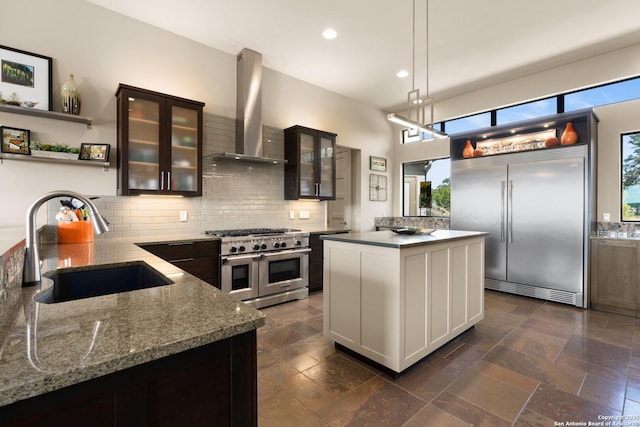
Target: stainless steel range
(264, 266)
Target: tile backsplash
(236, 194)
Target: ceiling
(471, 44)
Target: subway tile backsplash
(236, 194)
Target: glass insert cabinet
(310, 172)
(159, 143)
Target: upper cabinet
(310, 172)
(159, 143)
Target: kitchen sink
(92, 281)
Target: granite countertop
(44, 347)
(388, 238)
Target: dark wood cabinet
(310, 172)
(159, 143)
(615, 276)
(215, 384)
(200, 258)
(316, 259)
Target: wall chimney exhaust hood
(249, 142)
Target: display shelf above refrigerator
(526, 135)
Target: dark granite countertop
(44, 347)
(390, 239)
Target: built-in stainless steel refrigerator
(538, 208)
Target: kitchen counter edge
(389, 239)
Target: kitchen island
(178, 354)
(393, 299)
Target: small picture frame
(94, 152)
(377, 164)
(25, 79)
(15, 141)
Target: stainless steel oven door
(239, 275)
(283, 271)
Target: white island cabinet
(396, 298)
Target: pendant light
(416, 107)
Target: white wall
(102, 49)
(615, 119)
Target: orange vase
(569, 136)
(467, 152)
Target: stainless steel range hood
(249, 110)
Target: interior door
(339, 210)
(478, 203)
(545, 234)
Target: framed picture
(15, 141)
(25, 79)
(377, 164)
(377, 188)
(97, 152)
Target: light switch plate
(292, 214)
(303, 215)
(606, 217)
(183, 216)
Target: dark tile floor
(528, 363)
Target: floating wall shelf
(27, 158)
(46, 114)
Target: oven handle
(226, 259)
(286, 252)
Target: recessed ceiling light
(329, 34)
(402, 74)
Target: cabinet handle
(180, 243)
(182, 260)
(169, 180)
(501, 211)
(317, 189)
(510, 209)
(161, 180)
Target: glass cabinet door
(144, 144)
(184, 151)
(327, 167)
(307, 165)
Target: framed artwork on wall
(377, 164)
(25, 79)
(15, 141)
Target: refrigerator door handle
(502, 184)
(510, 210)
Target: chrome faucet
(31, 269)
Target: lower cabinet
(615, 276)
(315, 259)
(215, 384)
(199, 258)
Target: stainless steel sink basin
(92, 281)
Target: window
(530, 110)
(463, 124)
(630, 150)
(602, 95)
(426, 190)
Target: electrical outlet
(292, 214)
(183, 216)
(303, 215)
(606, 217)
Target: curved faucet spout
(31, 268)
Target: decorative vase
(70, 97)
(569, 136)
(467, 152)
